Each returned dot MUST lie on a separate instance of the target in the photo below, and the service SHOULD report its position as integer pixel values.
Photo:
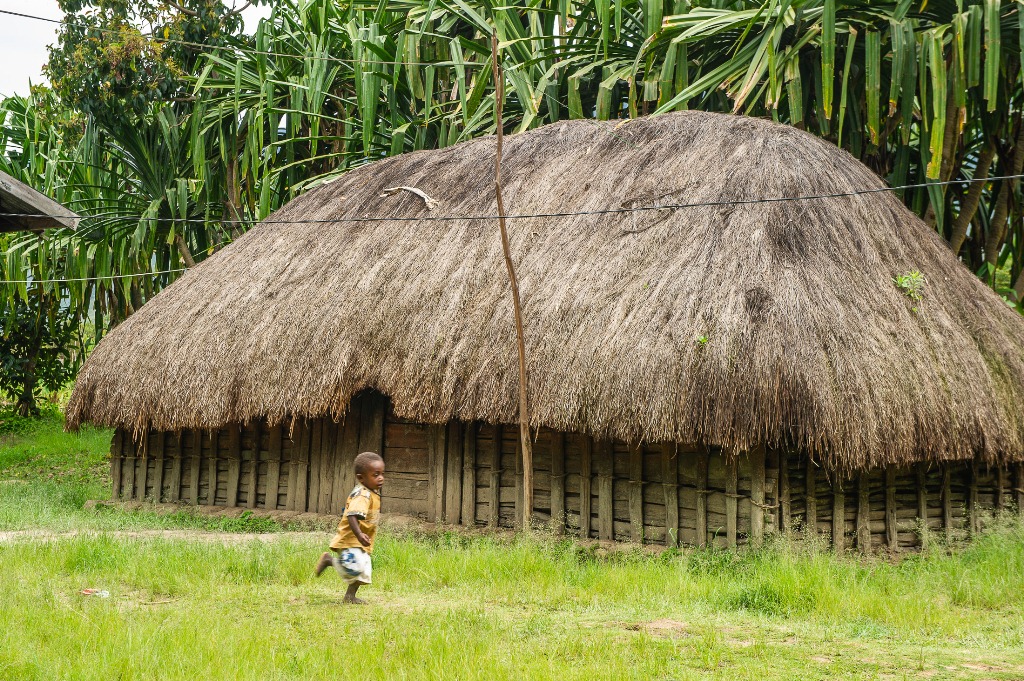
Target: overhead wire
(607, 211)
(557, 214)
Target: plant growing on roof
(912, 284)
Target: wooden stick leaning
(524, 409)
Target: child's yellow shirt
(362, 504)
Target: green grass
(448, 605)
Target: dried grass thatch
(728, 325)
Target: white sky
(23, 41)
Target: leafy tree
(39, 345)
(115, 59)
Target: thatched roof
(727, 325)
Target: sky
(23, 41)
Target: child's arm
(353, 522)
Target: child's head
(370, 470)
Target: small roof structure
(736, 320)
(23, 209)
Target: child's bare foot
(353, 600)
(323, 563)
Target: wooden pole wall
(642, 492)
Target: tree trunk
(969, 206)
(232, 202)
(186, 255)
(997, 227)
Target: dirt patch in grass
(227, 538)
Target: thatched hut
(697, 374)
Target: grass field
(448, 605)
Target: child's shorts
(353, 565)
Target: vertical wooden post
(174, 493)
(702, 497)
(1018, 488)
(519, 484)
(130, 450)
(636, 493)
(254, 470)
(351, 432)
(757, 486)
(213, 437)
(342, 468)
(973, 510)
(1000, 499)
(838, 516)
(275, 441)
(811, 498)
(586, 451)
(116, 459)
(302, 465)
(670, 481)
(605, 499)
(316, 434)
(558, 482)
(453, 485)
(160, 456)
(922, 501)
(291, 491)
(195, 467)
(495, 488)
(469, 474)
(731, 498)
(234, 462)
(328, 466)
(891, 531)
(332, 473)
(437, 446)
(947, 503)
(142, 468)
(526, 446)
(864, 512)
(785, 495)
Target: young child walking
(353, 544)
